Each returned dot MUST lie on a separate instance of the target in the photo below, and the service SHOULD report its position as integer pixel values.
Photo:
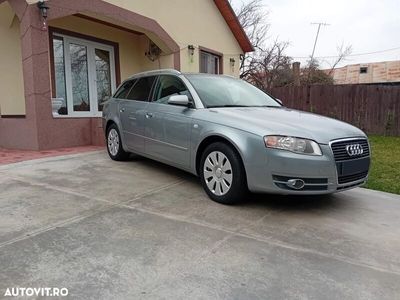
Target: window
(123, 91)
(210, 63)
(141, 90)
(168, 86)
(84, 75)
(363, 70)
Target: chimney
(296, 73)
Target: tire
(222, 174)
(114, 144)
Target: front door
(168, 126)
(84, 75)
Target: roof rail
(157, 72)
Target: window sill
(76, 116)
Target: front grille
(351, 178)
(340, 152)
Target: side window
(168, 86)
(123, 91)
(141, 90)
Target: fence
(373, 108)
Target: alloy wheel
(113, 142)
(218, 173)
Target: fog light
(296, 184)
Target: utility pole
(316, 38)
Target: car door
(167, 127)
(132, 113)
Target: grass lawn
(385, 168)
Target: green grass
(385, 169)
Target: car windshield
(222, 91)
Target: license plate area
(351, 167)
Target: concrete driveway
(139, 229)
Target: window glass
(59, 73)
(168, 86)
(103, 76)
(222, 91)
(123, 91)
(209, 63)
(79, 77)
(142, 88)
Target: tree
(271, 67)
(313, 74)
(268, 65)
(343, 53)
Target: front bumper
(319, 173)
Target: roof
(233, 22)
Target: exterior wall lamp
(191, 52)
(232, 61)
(43, 13)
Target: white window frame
(211, 61)
(91, 61)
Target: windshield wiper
(227, 105)
(236, 105)
(273, 106)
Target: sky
(366, 25)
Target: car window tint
(124, 89)
(168, 86)
(141, 90)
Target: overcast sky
(369, 26)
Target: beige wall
(199, 23)
(194, 22)
(12, 100)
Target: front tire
(222, 174)
(114, 144)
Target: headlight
(297, 145)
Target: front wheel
(222, 174)
(114, 144)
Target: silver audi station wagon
(235, 137)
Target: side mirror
(279, 101)
(181, 100)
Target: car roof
(173, 72)
(156, 72)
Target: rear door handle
(149, 115)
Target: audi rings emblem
(354, 150)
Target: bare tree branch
(343, 53)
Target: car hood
(283, 121)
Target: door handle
(149, 115)
(122, 109)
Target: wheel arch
(108, 124)
(213, 139)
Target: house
(60, 59)
(377, 72)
